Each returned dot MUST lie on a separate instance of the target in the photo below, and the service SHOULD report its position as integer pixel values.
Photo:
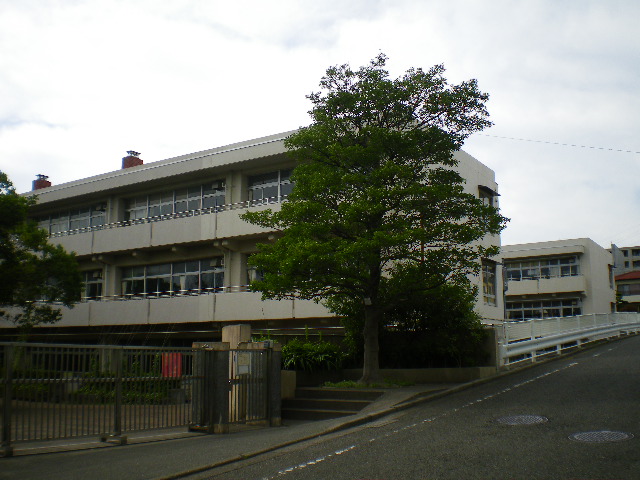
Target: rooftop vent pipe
(131, 160)
(40, 182)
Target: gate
(249, 381)
(52, 391)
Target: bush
(312, 356)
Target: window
(92, 285)
(635, 252)
(180, 278)
(210, 195)
(79, 218)
(136, 208)
(636, 264)
(530, 309)
(212, 275)
(629, 289)
(270, 187)
(543, 268)
(160, 204)
(213, 195)
(188, 199)
(59, 223)
(489, 282)
(488, 196)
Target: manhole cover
(601, 436)
(522, 419)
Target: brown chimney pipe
(131, 160)
(40, 182)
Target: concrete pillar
(236, 334)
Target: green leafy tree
(34, 273)
(376, 189)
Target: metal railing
(166, 294)
(530, 339)
(52, 391)
(171, 216)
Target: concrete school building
(163, 250)
(558, 279)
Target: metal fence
(65, 391)
(530, 339)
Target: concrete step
(338, 393)
(326, 404)
(315, 403)
(312, 414)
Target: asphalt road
(463, 436)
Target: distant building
(557, 279)
(627, 259)
(628, 290)
(164, 253)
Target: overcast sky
(82, 82)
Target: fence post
(116, 436)
(5, 448)
(219, 379)
(211, 398)
(273, 386)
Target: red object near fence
(172, 365)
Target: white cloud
(83, 81)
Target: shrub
(312, 356)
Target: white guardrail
(527, 340)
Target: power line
(558, 143)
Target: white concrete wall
(221, 307)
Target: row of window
(634, 264)
(543, 268)
(265, 188)
(629, 289)
(76, 219)
(531, 309)
(188, 277)
(177, 278)
(197, 197)
(635, 252)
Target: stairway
(320, 403)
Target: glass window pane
(285, 189)
(192, 266)
(158, 269)
(178, 267)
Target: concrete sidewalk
(182, 453)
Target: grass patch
(354, 384)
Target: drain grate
(522, 419)
(601, 436)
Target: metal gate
(249, 386)
(52, 391)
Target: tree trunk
(371, 364)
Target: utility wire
(558, 143)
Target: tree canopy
(376, 193)
(34, 273)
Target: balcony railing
(168, 294)
(171, 216)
